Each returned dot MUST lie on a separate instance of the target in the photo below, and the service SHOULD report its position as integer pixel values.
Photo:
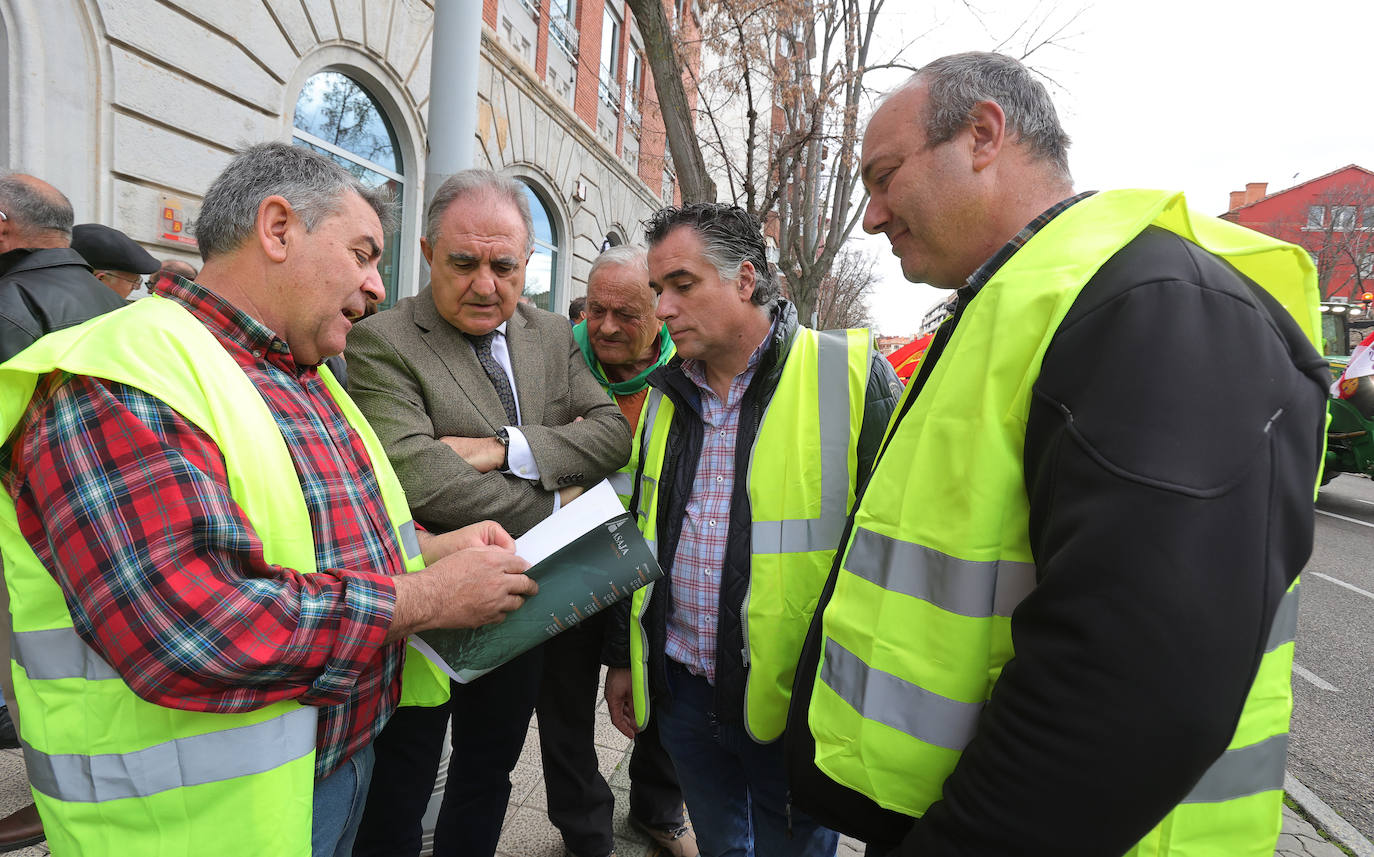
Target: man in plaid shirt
(136, 510)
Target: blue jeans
(339, 800)
(736, 790)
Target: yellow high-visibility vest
(919, 624)
(116, 774)
(801, 487)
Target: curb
(1338, 827)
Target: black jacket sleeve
(880, 400)
(1170, 462)
(615, 645)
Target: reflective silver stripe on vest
(1285, 627)
(57, 654)
(622, 482)
(1243, 771)
(410, 540)
(898, 703)
(190, 761)
(801, 535)
(966, 587)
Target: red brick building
(590, 53)
(1331, 216)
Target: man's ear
(988, 127)
(275, 217)
(748, 278)
(427, 251)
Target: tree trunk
(659, 49)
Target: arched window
(542, 272)
(335, 116)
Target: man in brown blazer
(487, 410)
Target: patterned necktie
(495, 373)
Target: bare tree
(667, 68)
(779, 116)
(1339, 234)
(842, 298)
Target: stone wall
(120, 102)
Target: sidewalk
(1300, 839)
(528, 833)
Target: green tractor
(1350, 433)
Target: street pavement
(527, 831)
(1332, 746)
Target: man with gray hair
(623, 344)
(1069, 589)
(755, 440)
(207, 546)
(486, 408)
(44, 285)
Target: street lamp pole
(455, 52)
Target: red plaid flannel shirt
(128, 505)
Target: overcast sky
(1195, 95)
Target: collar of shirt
(696, 369)
(988, 269)
(231, 324)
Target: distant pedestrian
(170, 268)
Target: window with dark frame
(610, 58)
(337, 117)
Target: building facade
(131, 107)
(1330, 216)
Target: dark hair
(730, 235)
(31, 208)
(954, 84)
(312, 183)
(576, 307)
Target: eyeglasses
(136, 280)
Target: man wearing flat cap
(116, 258)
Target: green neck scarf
(666, 350)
